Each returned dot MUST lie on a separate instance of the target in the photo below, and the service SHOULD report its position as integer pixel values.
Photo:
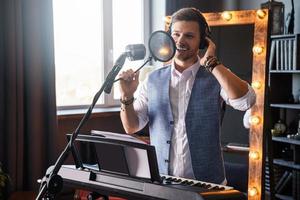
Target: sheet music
(138, 163)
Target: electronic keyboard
(173, 188)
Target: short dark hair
(192, 14)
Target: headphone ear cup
(169, 29)
(203, 40)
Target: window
(89, 35)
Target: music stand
(121, 154)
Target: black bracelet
(127, 102)
(211, 62)
(213, 65)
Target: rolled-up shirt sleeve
(243, 103)
(141, 104)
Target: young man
(182, 103)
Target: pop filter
(161, 46)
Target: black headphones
(193, 14)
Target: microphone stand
(52, 183)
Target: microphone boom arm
(148, 60)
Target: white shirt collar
(192, 70)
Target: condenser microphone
(135, 51)
(132, 52)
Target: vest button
(166, 160)
(168, 142)
(172, 122)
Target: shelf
(284, 197)
(284, 36)
(284, 71)
(283, 105)
(286, 140)
(289, 164)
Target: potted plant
(4, 181)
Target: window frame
(107, 42)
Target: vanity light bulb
(254, 120)
(256, 84)
(226, 15)
(252, 191)
(167, 19)
(257, 49)
(260, 14)
(254, 155)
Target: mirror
(259, 20)
(234, 49)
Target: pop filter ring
(172, 45)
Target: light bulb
(254, 120)
(252, 191)
(257, 49)
(226, 15)
(260, 14)
(167, 19)
(254, 155)
(256, 84)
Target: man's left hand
(210, 51)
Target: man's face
(187, 38)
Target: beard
(186, 55)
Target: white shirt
(180, 91)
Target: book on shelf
(286, 43)
(290, 54)
(277, 55)
(272, 60)
(295, 55)
(281, 44)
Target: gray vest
(202, 123)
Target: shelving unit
(284, 105)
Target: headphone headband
(193, 14)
